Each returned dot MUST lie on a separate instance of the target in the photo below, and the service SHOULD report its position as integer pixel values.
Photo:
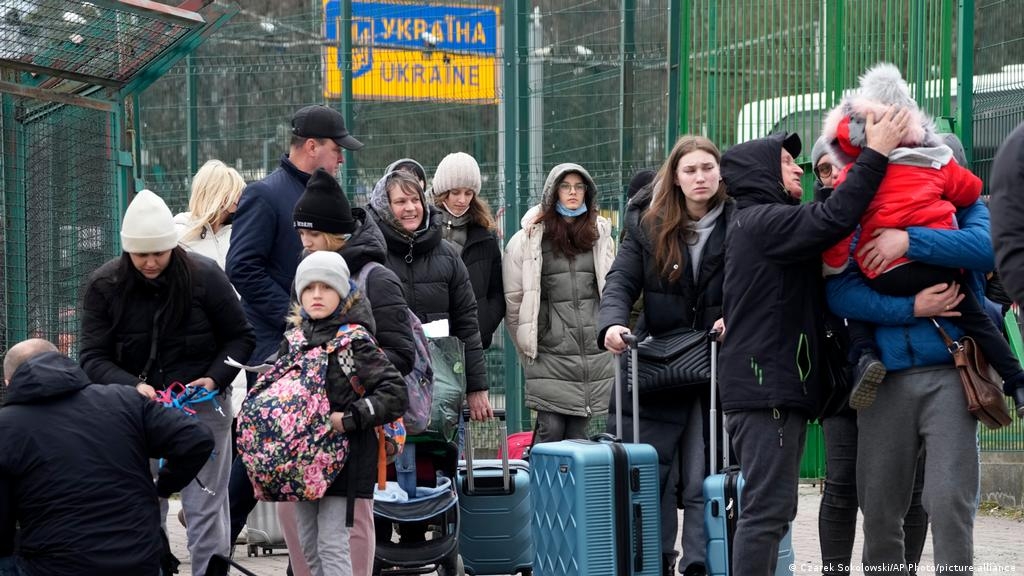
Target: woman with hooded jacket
(158, 315)
(433, 277)
(554, 276)
(672, 255)
(467, 223)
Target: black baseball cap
(322, 122)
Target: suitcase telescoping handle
(713, 337)
(505, 473)
(631, 343)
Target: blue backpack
(420, 381)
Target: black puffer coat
(390, 312)
(482, 258)
(436, 286)
(74, 470)
(773, 303)
(384, 401)
(667, 307)
(215, 329)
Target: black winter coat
(264, 252)
(74, 470)
(1007, 207)
(667, 307)
(482, 258)
(436, 286)
(385, 397)
(390, 312)
(117, 354)
(772, 301)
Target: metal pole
(510, 176)
(14, 199)
(678, 71)
(712, 74)
(345, 62)
(536, 91)
(965, 78)
(191, 116)
(627, 60)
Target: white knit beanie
(457, 170)
(323, 266)
(148, 225)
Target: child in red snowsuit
(923, 187)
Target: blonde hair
(334, 242)
(215, 187)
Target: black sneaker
(695, 569)
(867, 375)
(668, 565)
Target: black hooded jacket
(383, 290)
(667, 306)
(117, 353)
(772, 292)
(1007, 207)
(482, 257)
(384, 401)
(436, 285)
(74, 470)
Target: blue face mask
(561, 209)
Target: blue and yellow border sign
(415, 52)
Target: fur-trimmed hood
(880, 87)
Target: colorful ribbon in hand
(181, 397)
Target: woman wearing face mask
(672, 255)
(467, 223)
(554, 276)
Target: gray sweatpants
(768, 445)
(324, 536)
(206, 508)
(207, 513)
(921, 406)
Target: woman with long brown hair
(672, 254)
(554, 276)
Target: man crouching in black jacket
(74, 468)
(771, 304)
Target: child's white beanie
(323, 266)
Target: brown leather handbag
(985, 399)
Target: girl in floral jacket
(328, 300)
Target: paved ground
(997, 544)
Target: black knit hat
(639, 180)
(323, 206)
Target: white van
(998, 108)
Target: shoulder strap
(952, 346)
(364, 273)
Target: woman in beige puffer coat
(554, 271)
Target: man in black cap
(772, 308)
(265, 249)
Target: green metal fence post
(678, 71)
(627, 58)
(192, 117)
(347, 98)
(510, 88)
(713, 121)
(14, 199)
(965, 77)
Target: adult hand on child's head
(939, 300)
(885, 246)
(885, 133)
(479, 406)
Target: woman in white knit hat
(467, 223)
(156, 316)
